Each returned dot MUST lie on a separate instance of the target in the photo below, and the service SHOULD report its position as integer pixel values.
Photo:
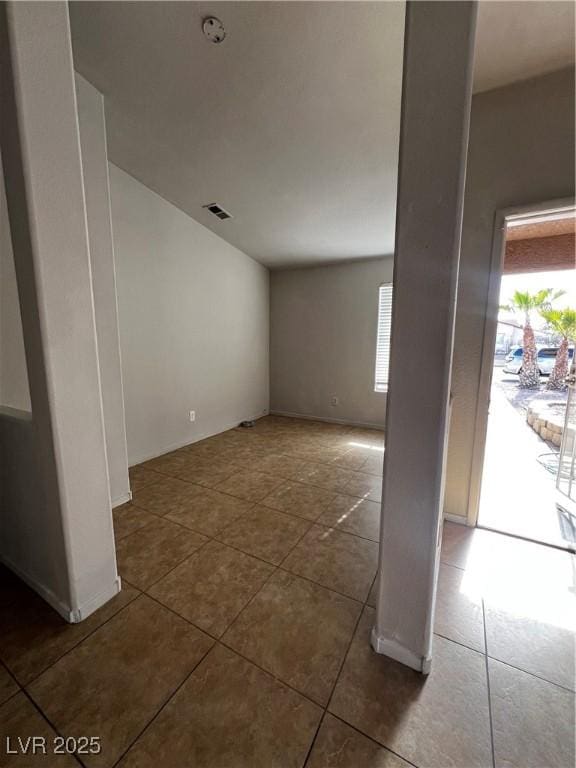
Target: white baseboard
(96, 602)
(458, 519)
(68, 614)
(196, 439)
(123, 499)
(61, 607)
(328, 420)
(397, 652)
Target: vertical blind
(383, 342)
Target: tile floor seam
(203, 487)
(10, 674)
(184, 618)
(288, 479)
(373, 740)
(256, 557)
(490, 720)
(151, 482)
(336, 681)
(279, 680)
(69, 650)
(180, 562)
(458, 642)
(220, 641)
(313, 742)
(45, 717)
(316, 521)
(319, 584)
(532, 674)
(359, 730)
(162, 517)
(12, 695)
(164, 704)
(226, 525)
(248, 554)
(345, 656)
(505, 663)
(276, 568)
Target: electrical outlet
(334, 400)
(192, 415)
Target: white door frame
(501, 218)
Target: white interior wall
(323, 341)
(194, 324)
(97, 191)
(63, 543)
(14, 389)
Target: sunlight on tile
(523, 579)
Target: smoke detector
(218, 211)
(213, 29)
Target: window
(383, 342)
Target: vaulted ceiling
(291, 124)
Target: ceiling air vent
(218, 211)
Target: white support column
(97, 190)
(70, 537)
(436, 99)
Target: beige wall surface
(323, 341)
(194, 324)
(521, 152)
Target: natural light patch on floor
(530, 582)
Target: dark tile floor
(240, 637)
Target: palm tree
(525, 303)
(563, 322)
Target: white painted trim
(62, 608)
(395, 651)
(197, 439)
(328, 420)
(67, 613)
(458, 519)
(489, 340)
(96, 602)
(123, 499)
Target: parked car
(546, 359)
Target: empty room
(287, 384)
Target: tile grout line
(220, 641)
(163, 705)
(336, 681)
(278, 567)
(217, 641)
(73, 647)
(505, 663)
(487, 667)
(262, 503)
(144, 589)
(532, 674)
(241, 469)
(45, 717)
(376, 743)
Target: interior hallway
(241, 635)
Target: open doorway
(524, 481)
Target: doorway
(527, 472)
